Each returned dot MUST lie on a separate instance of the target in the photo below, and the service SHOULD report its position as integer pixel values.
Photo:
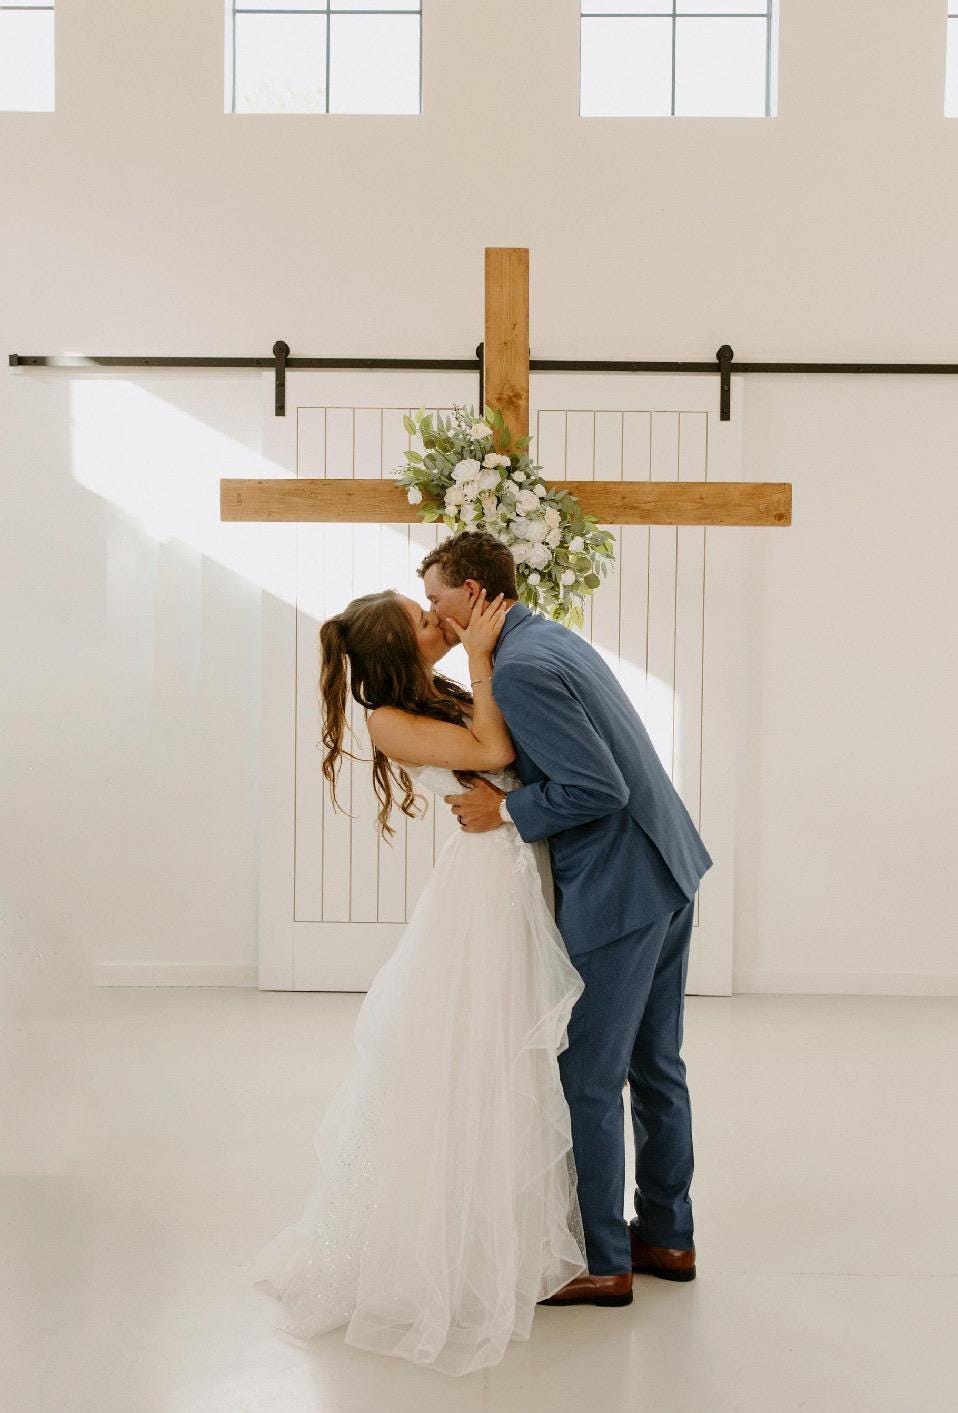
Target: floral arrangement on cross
(561, 557)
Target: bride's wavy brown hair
(374, 638)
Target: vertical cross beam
(506, 352)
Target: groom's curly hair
(474, 554)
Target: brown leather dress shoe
(594, 1290)
(665, 1262)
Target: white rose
(540, 489)
(500, 459)
(467, 470)
(533, 578)
(467, 513)
(540, 557)
(526, 501)
(520, 528)
(414, 495)
(511, 486)
(470, 489)
(480, 431)
(577, 544)
(454, 495)
(568, 577)
(489, 480)
(520, 550)
(538, 529)
(553, 517)
(554, 537)
(518, 475)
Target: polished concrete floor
(153, 1138)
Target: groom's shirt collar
(512, 619)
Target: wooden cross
(506, 365)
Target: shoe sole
(592, 1300)
(664, 1275)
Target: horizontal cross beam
(355, 501)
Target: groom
(626, 863)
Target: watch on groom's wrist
(504, 814)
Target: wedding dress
(443, 1204)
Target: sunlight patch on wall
(161, 463)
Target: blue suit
(626, 862)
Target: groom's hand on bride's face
(478, 809)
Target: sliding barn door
(665, 621)
(334, 897)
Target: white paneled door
(334, 897)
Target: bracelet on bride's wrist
(476, 680)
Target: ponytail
(332, 688)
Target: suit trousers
(627, 1026)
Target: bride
(443, 1204)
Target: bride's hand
(485, 624)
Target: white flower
(518, 475)
(540, 489)
(414, 495)
(489, 480)
(467, 514)
(470, 489)
(538, 529)
(480, 432)
(577, 544)
(526, 501)
(511, 486)
(490, 505)
(520, 528)
(533, 578)
(554, 537)
(540, 557)
(568, 577)
(466, 470)
(520, 550)
(553, 516)
(455, 495)
(495, 458)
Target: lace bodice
(444, 782)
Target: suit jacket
(623, 846)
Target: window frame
(770, 19)
(43, 8)
(329, 8)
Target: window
(26, 57)
(323, 56)
(677, 58)
(951, 62)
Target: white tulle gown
(443, 1204)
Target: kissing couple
(472, 1164)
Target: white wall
(139, 218)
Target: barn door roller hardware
(281, 362)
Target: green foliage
(493, 495)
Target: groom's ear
(473, 588)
